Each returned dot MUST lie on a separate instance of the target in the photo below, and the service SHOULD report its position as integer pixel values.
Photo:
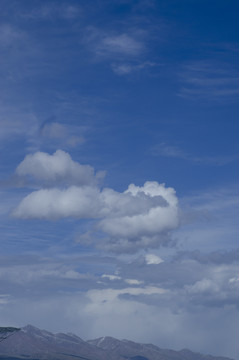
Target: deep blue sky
(96, 96)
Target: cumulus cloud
(139, 217)
(58, 167)
(143, 222)
(54, 203)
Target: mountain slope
(41, 344)
(34, 344)
(136, 351)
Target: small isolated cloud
(139, 217)
(152, 259)
(123, 44)
(58, 167)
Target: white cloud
(81, 202)
(140, 217)
(144, 221)
(56, 168)
(152, 259)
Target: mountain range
(32, 343)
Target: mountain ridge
(34, 344)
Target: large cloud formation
(138, 217)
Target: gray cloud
(176, 293)
(56, 168)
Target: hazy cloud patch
(114, 45)
(51, 11)
(56, 131)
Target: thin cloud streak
(209, 80)
(169, 151)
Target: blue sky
(119, 170)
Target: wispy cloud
(125, 51)
(209, 80)
(127, 68)
(176, 152)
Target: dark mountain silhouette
(32, 343)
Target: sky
(119, 170)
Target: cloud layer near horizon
(138, 217)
